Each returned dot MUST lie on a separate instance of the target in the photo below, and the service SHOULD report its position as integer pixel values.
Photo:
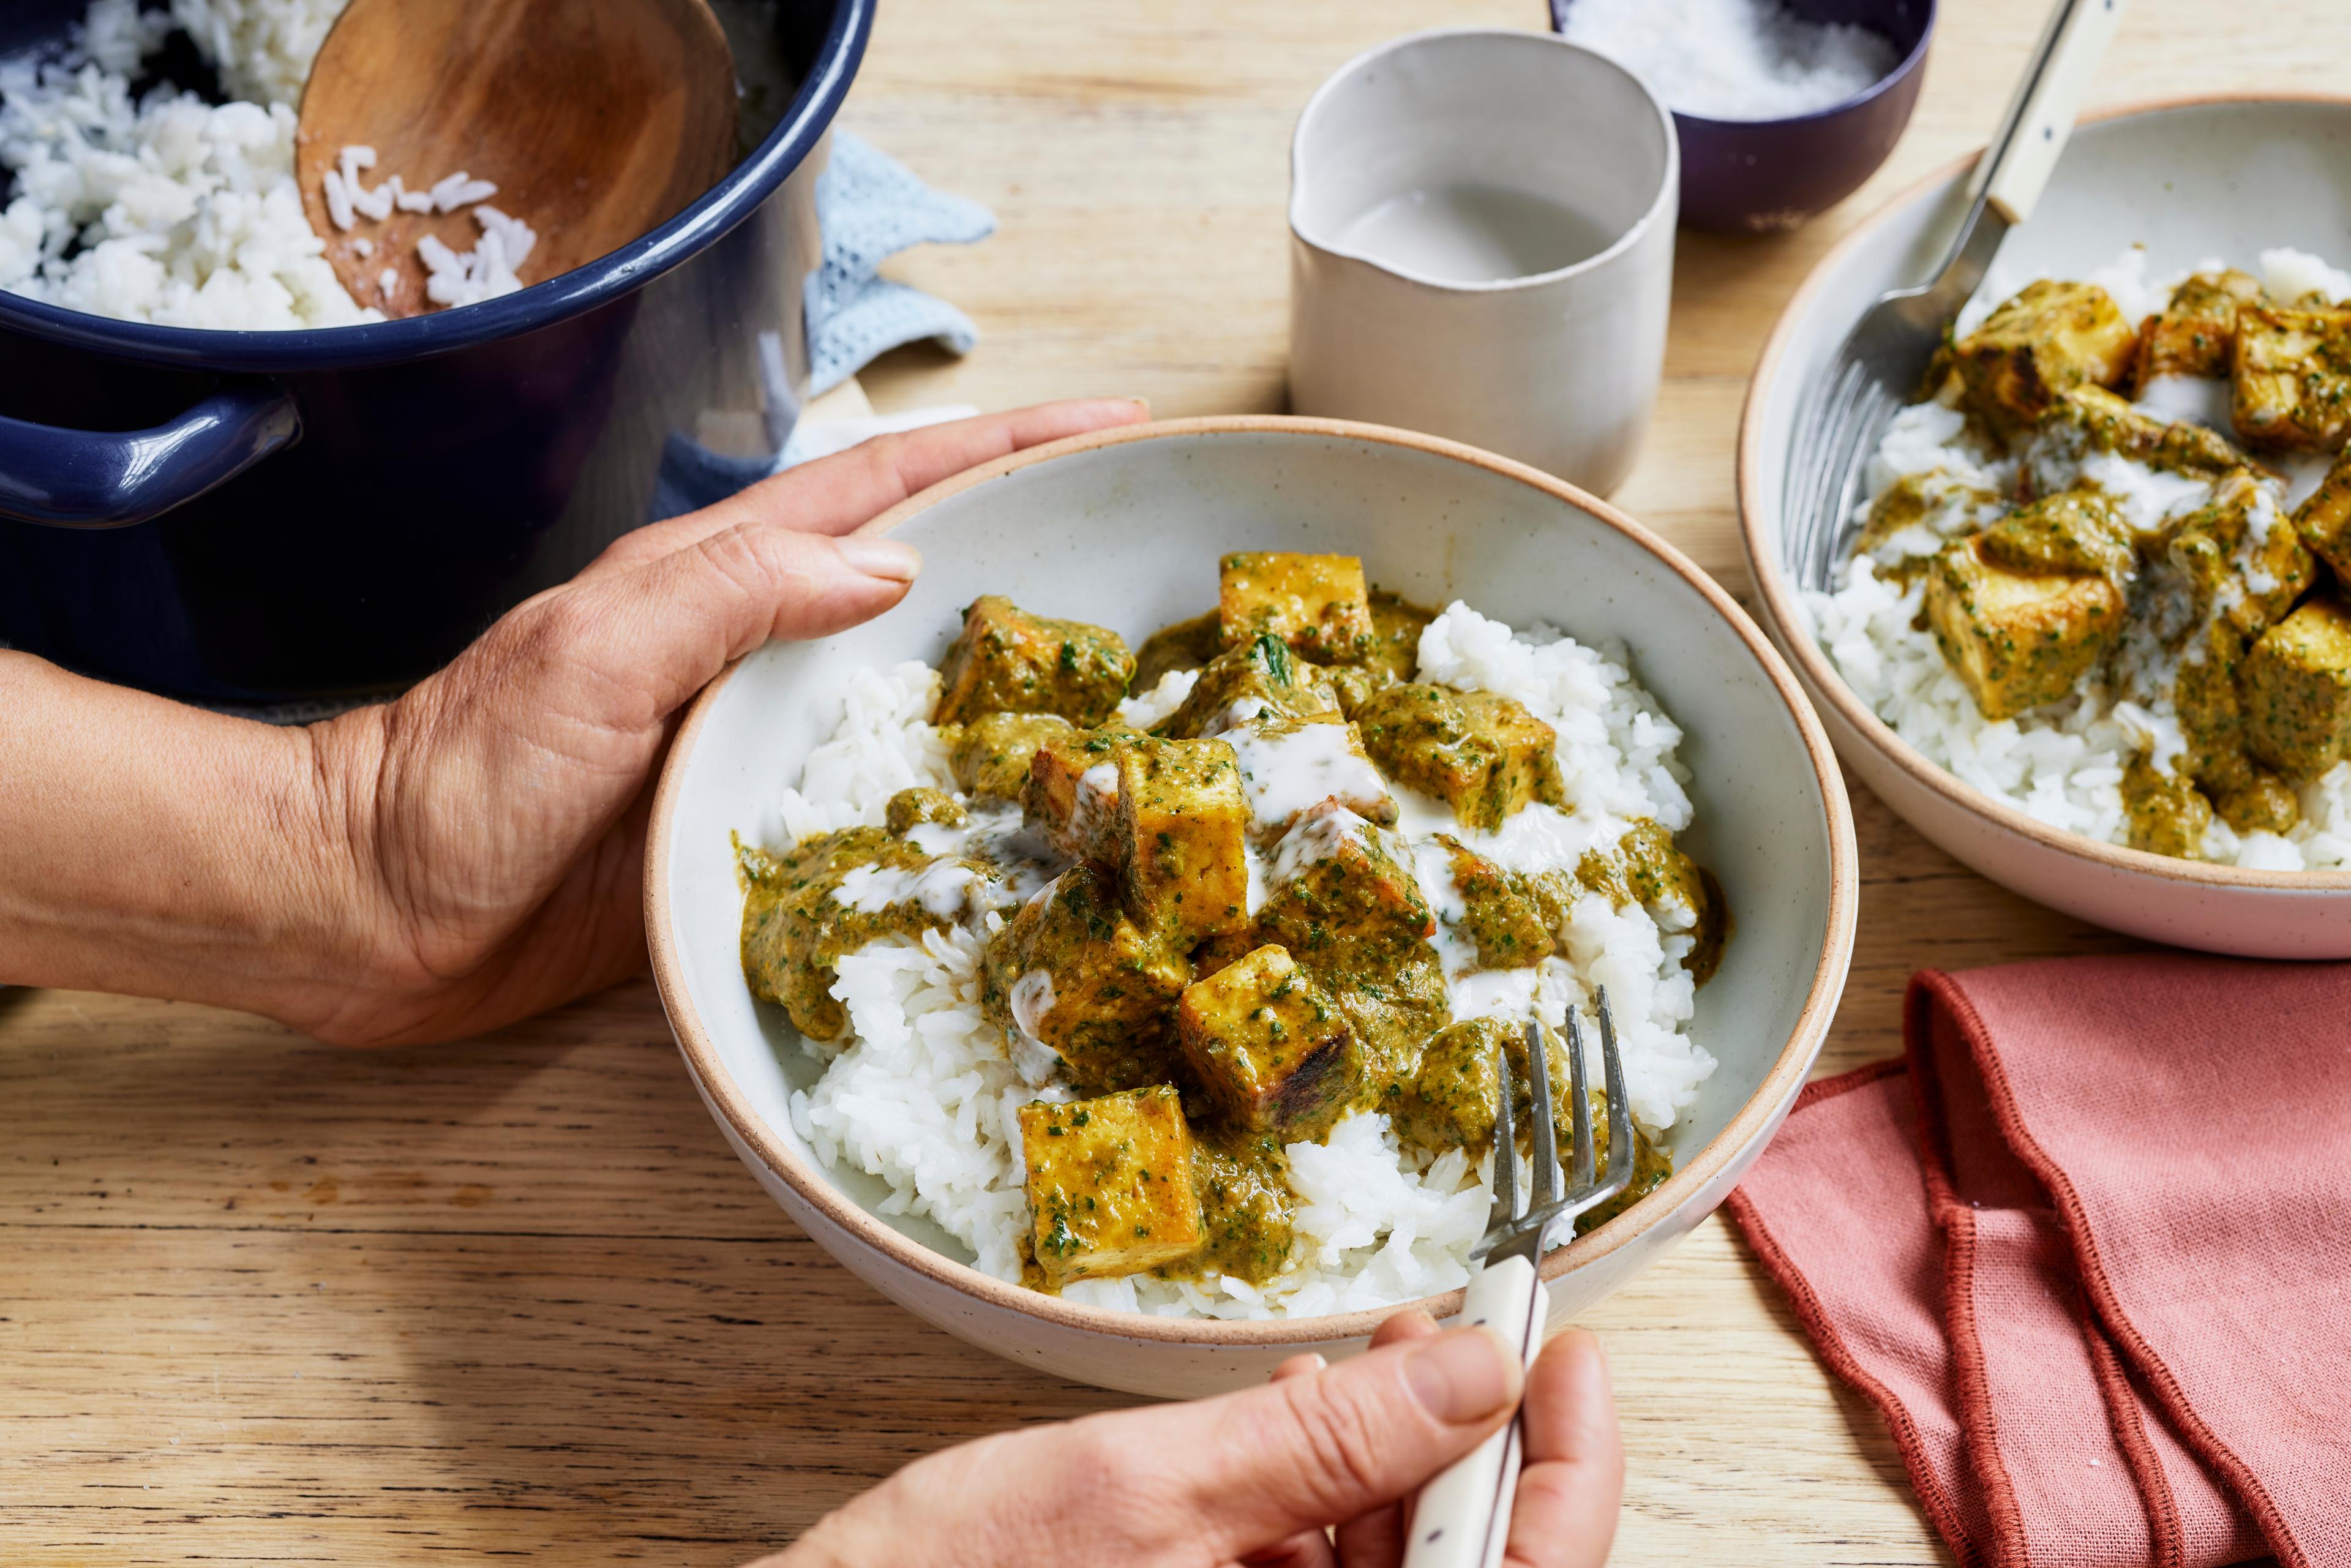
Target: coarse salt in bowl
(1784, 107)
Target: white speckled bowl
(2190, 179)
(1124, 528)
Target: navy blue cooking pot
(264, 517)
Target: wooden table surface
(263, 1300)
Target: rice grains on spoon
(595, 122)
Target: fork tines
(1508, 1230)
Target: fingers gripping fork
(1462, 1519)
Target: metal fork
(1462, 1519)
(1885, 356)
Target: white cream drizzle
(942, 888)
(1432, 867)
(1096, 805)
(2207, 401)
(1318, 836)
(1031, 999)
(1285, 769)
(1241, 711)
(994, 833)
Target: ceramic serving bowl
(1125, 527)
(2190, 179)
(1766, 176)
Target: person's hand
(1311, 1471)
(495, 816)
(472, 854)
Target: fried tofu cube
(1450, 1102)
(1337, 888)
(1353, 685)
(1071, 797)
(1500, 917)
(1231, 947)
(2106, 422)
(1289, 764)
(1180, 838)
(1072, 976)
(991, 754)
(2323, 521)
(1262, 678)
(2292, 379)
(1450, 1105)
(1915, 517)
(2017, 640)
(795, 928)
(2074, 533)
(2295, 690)
(1482, 754)
(1009, 660)
(1268, 1044)
(2241, 555)
(1185, 646)
(912, 809)
(1319, 604)
(1397, 625)
(2168, 815)
(1110, 1184)
(2266, 804)
(2196, 333)
(2049, 338)
(1342, 897)
(2212, 720)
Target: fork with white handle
(1885, 356)
(1462, 1518)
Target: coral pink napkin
(2089, 1250)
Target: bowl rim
(1776, 594)
(1752, 1119)
(1879, 88)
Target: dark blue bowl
(1765, 176)
(266, 518)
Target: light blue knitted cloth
(869, 207)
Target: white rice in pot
(168, 209)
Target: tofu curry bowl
(2100, 571)
(1180, 977)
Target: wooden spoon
(597, 120)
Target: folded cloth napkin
(2088, 1248)
(869, 207)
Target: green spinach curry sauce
(1212, 936)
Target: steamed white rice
(923, 1093)
(2060, 763)
(168, 210)
(173, 211)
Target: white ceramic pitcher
(1402, 314)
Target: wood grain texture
(597, 122)
(262, 1300)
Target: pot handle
(117, 479)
